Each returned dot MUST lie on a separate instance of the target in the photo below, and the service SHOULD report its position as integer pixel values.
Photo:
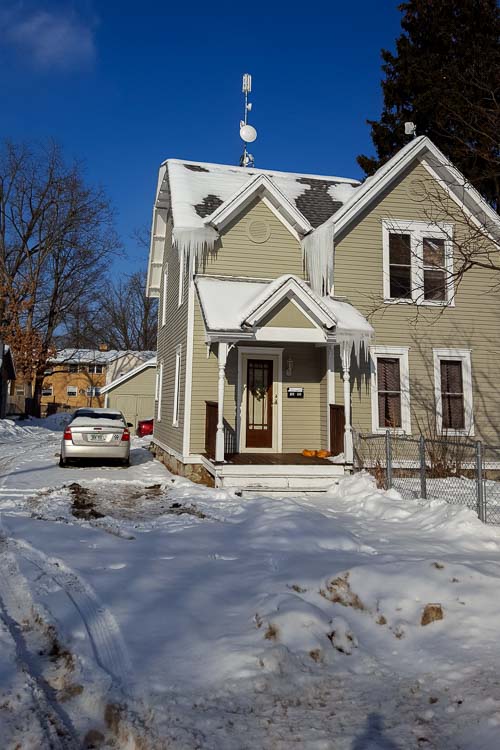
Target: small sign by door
(295, 392)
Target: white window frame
(181, 278)
(73, 388)
(177, 385)
(395, 352)
(159, 391)
(45, 393)
(164, 298)
(463, 356)
(417, 231)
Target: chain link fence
(456, 469)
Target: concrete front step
(275, 478)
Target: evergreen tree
(445, 77)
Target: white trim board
(416, 149)
(262, 186)
(188, 378)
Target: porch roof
(233, 305)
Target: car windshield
(88, 414)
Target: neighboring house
(7, 376)
(133, 393)
(266, 281)
(124, 362)
(75, 377)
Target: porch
(276, 361)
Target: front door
(259, 406)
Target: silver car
(96, 433)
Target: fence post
(423, 478)
(481, 509)
(388, 459)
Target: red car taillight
(67, 434)
(125, 436)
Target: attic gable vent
(258, 230)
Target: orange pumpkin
(308, 453)
(323, 454)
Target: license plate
(97, 438)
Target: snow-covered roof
(228, 305)
(85, 356)
(130, 374)
(197, 189)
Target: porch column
(219, 438)
(345, 351)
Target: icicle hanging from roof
(317, 247)
(194, 241)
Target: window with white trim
(418, 262)
(390, 386)
(71, 391)
(47, 391)
(164, 298)
(159, 391)
(181, 276)
(453, 391)
(177, 386)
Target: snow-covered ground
(138, 610)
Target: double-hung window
(418, 262)
(159, 391)
(453, 391)
(164, 296)
(71, 391)
(390, 389)
(177, 386)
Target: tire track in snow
(16, 607)
(104, 633)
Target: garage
(133, 393)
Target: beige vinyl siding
(287, 315)
(237, 255)
(173, 333)
(304, 420)
(473, 323)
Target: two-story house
(294, 308)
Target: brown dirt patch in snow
(339, 591)
(272, 632)
(431, 613)
(83, 505)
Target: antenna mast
(248, 134)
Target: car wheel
(126, 463)
(62, 462)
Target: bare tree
(56, 239)
(122, 317)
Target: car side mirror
(129, 424)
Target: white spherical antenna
(248, 133)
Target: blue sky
(124, 85)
